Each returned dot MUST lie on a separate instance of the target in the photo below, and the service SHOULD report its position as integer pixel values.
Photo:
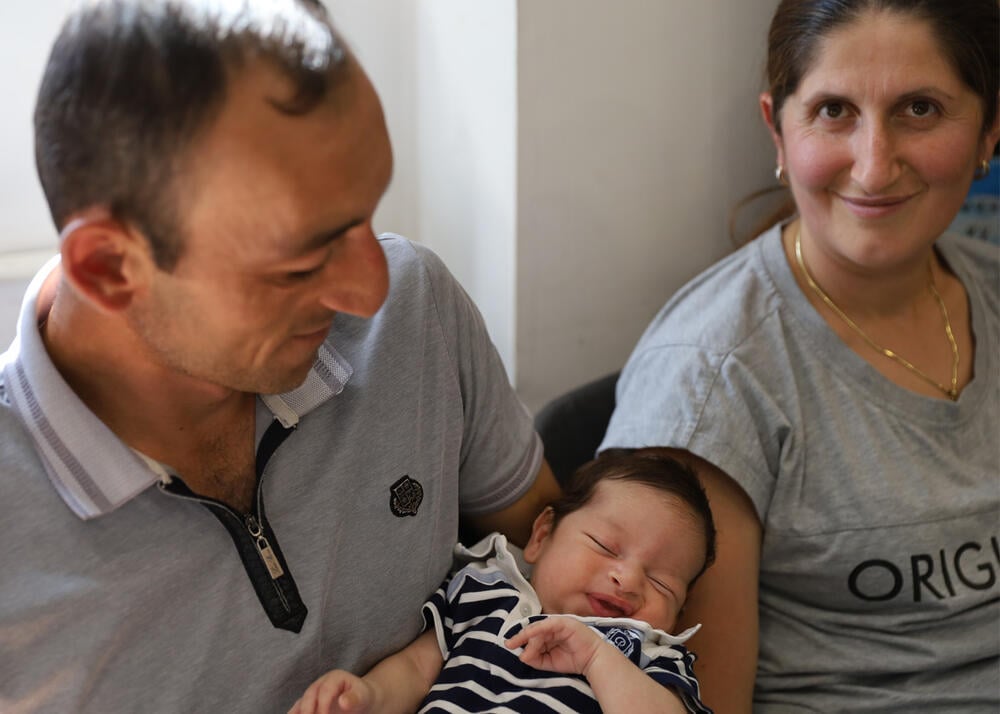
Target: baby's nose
(626, 577)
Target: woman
(836, 380)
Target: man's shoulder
(420, 282)
(409, 258)
(12, 426)
(4, 391)
(17, 448)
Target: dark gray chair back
(572, 425)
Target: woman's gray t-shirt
(880, 507)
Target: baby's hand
(336, 691)
(558, 644)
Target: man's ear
(540, 531)
(767, 111)
(104, 260)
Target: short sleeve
(670, 665)
(500, 452)
(673, 667)
(711, 404)
(436, 614)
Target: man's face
(276, 215)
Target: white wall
(26, 32)
(446, 73)
(380, 33)
(467, 139)
(638, 130)
(27, 237)
(630, 129)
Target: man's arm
(396, 684)
(515, 521)
(724, 598)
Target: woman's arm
(724, 599)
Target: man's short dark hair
(653, 467)
(130, 83)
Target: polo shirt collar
(89, 466)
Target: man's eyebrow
(321, 239)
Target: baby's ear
(540, 531)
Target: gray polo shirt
(117, 596)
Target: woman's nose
(877, 165)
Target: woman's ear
(767, 111)
(540, 531)
(103, 259)
(992, 135)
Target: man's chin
(284, 384)
(278, 380)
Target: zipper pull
(264, 548)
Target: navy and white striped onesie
(489, 600)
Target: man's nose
(359, 280)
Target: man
(238, 430)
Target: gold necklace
(951, 392)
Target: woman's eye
(921, 108)
(832, 110)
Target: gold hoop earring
(779, 175)
(982, 171)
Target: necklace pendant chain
(952, 391)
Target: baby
(611, 565)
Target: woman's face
(879, 143)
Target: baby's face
(630, 552)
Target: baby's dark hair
(653, 467)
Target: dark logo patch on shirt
(405, 497)
(623, 639)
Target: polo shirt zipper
(262, 560)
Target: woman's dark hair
(650, 467)
(968, 33)
(130, 83)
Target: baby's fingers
(531, 632)
(533, 650)
(319, 697)
(518, 640)
(351, 701)
(307, 702)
